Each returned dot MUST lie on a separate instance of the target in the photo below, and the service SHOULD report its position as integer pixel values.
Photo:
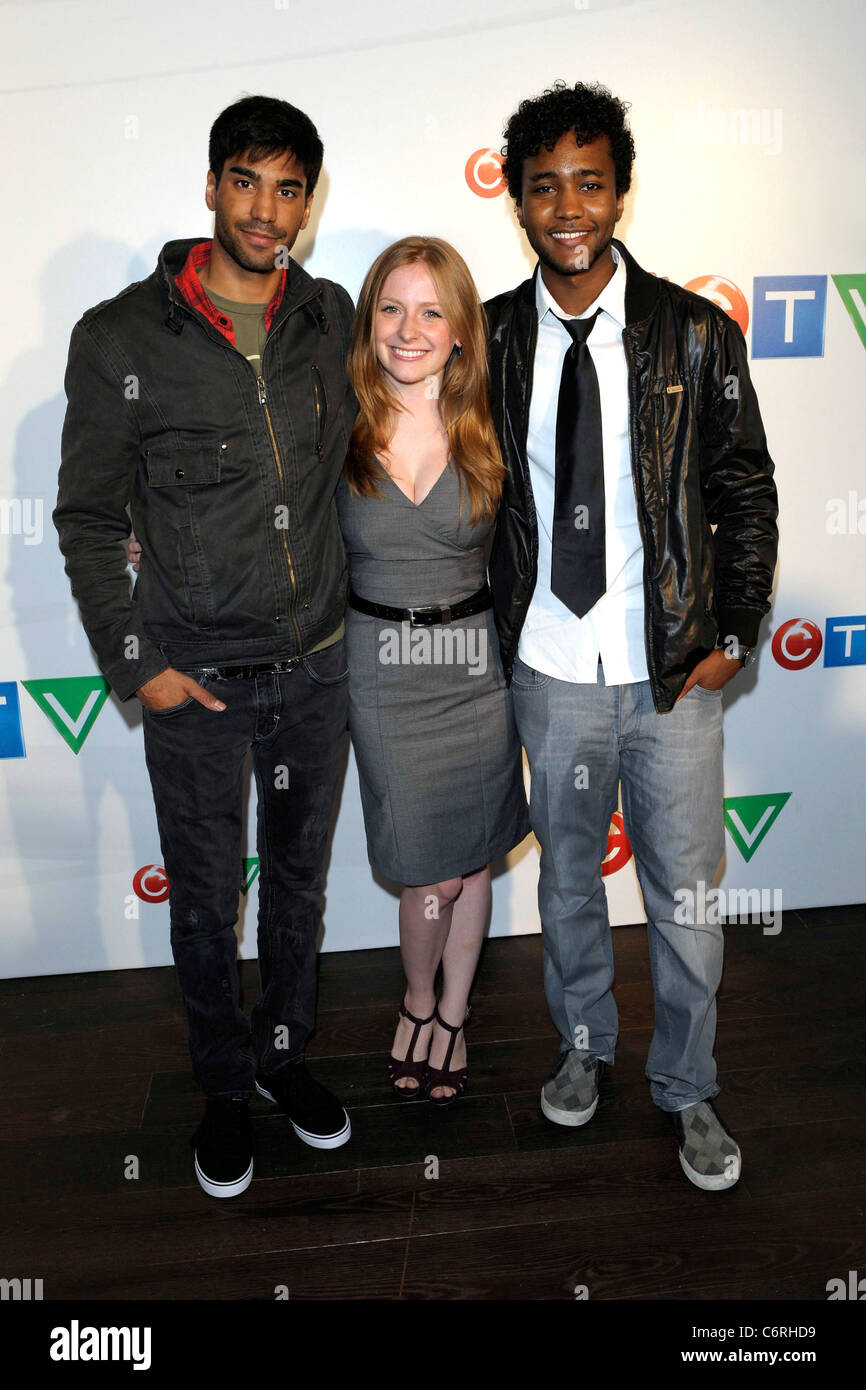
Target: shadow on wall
(56, 839)
(58, 850)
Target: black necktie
(577, 574)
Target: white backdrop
(749, 165)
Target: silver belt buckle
(427, 608)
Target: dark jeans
(295, 724)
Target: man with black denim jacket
(212, 399)
(631, 566)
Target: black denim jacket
(229, 477)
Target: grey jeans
(582, 741)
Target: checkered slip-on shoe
(569, 1096)
(709, 1154)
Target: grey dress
(430, 716)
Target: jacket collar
(299, 287)
(611, 299)
(641, 289)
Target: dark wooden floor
(95, 1070)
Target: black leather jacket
(230, 478)
(703, 478)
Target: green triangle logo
(852, 289)
(749, 819)
(72, 703)
(249, 874)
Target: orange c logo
(483, 173)
(726, 294)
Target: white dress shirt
(553, 639)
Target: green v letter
(72, 703)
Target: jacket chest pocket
(185, 468)
(667, 399)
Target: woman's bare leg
(425, 921)
(459, 961)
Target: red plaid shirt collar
(197, 297)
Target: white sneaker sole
(224, 1189)
(567, 1117)
(315, 1141)
(715, 1183)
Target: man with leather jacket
(212, 399)
(632, 563)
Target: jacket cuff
(125, 677)
(742, 623)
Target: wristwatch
(738, 651)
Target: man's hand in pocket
(171, 688)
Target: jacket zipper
(321, 409)
(263, 401)
(657, 415)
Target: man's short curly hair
(589, 110)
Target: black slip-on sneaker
(223, 1145)
(314, 1113)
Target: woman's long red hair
(464, 402)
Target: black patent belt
(231, 673)
(427, 615)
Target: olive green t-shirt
(248, 321)
(249, 325)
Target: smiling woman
(419, 333)
(429, 714)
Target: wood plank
(360, 1270)
(635, 1255)
(102, 1233)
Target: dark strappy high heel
(398, 1068)
(441, 1076)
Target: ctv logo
(788, 315)
(789, 312)
(483, 173)
(72, 703)
(798, 642)
(852, 290)
(725, 293)
(845, 641)
(750, 818)
(11, 733)
(619, 850)
(151, 884)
